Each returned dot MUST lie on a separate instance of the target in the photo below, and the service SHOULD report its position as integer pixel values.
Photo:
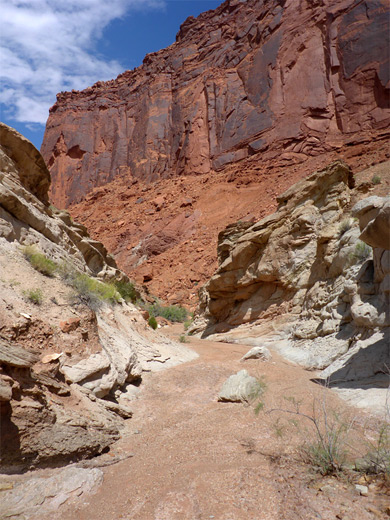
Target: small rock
(186, 202)
(95, 364)
(5, 390)
(328, 489)
(158, 202)
(69, 325)
(377, 513)
(51, 357)
(257, 353)
(363, 490)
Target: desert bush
(34, 296)
(39, 261)
(89, 290)
(345, 226)
(174, 313)
(152, 322)
(257, 393)
(376, 180)
(183, 339)
(361, 252)
(377, 459)
(330, 439)
(126, 290)
(325, 441)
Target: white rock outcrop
(311, 281)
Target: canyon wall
(280, 78)
(67, 361)
(311, 281)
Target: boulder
(84, 369)
(240, 387)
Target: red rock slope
(164, 234)
(287, 79)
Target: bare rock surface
(42, 495)
(224, 203)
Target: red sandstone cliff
(280, 78)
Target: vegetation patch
(331, 443)
(345, 226)
(127, 290)
(152, 322)
(257, 393)
(89, 290)
(361, 252)
(34, 296)
(174, 313)
(188, 323)
(39, 261)
(376, 180)
(377, 459)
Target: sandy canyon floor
(187, 456)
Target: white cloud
(47, 46)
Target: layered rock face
(271, 78)
(66, 368)
(306, 281)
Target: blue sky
(47, 46)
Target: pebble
(363, 490)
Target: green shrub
(377, 460)
(174, 313)
(325, 440)
(34, 296)
(327, 459)
(376, 180)
(89, 290)
(152, 322)
(39, 261)
(126, 290)
(256, 393)
(183, 339)
(361, 252)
